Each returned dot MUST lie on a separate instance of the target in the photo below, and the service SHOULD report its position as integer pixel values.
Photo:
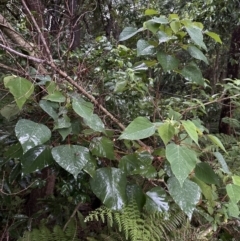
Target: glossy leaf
(168, 62)
(157, 200)
(196, 35)
(197, 53)
(186, 195)
(36, 159)
(222, 161)
(191, 129)
(204, 172)
(216, 141)
(192, 73)
(31, 134)
(163, 37)
(91, 166)
(144, 48)
(49, 107)
(109, 185)
(20, 88)
(166, 131)
(138, 164)
(102, 147)
(214, 36)
(72, 158)
(129, 32)
(56, 96)
(182, 161)
(139, 128)
(233, 192)
(82, 107)
(95, 123)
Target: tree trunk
(233, 73)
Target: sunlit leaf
(233, 192)
(56, 96)
(20, 88)
(166, 131)
(149, 12)
(216, 142)
(191, 129)
(214, 36)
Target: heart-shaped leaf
(182, 161)
(82, 107)
(109, 185)
(31, 134)
(168, 62)
(20, 88)
(139, 128)
(166, 131)
(72, 158)
(186, 196)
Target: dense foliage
(119, 120)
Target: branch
(36, 60)
(3, 66)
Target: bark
(233, 73)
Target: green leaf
(49, 107)
(175, 26)
(196, 35)
(149, 12)
(10, 110)
(233, 210)
(186, 195)
(214, 36)
(82, 107)
(216, 142)
(14, 151)
(153, 27)
(207, 191)
(144, 48)
(191, 129)
(166, 131)
(72, 158)
(182, 161)
(140, 163)
(163, 37)
(168, 62)
(20, 88)
(233, 192)
(90, 167)
(192, 73)
(236, 180)
(157, 200)
(56, 96)
(173, 16)
(139, 128)
(161, 20)
(95, 123)
(120, 86)
(135, 193)
(197, 53)
(64, 132)
(62, 122)
(222, 161)
(128, 32)
(36, 159)
(102, 147)
(204, 172)
(109, 185)
(31, 134)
